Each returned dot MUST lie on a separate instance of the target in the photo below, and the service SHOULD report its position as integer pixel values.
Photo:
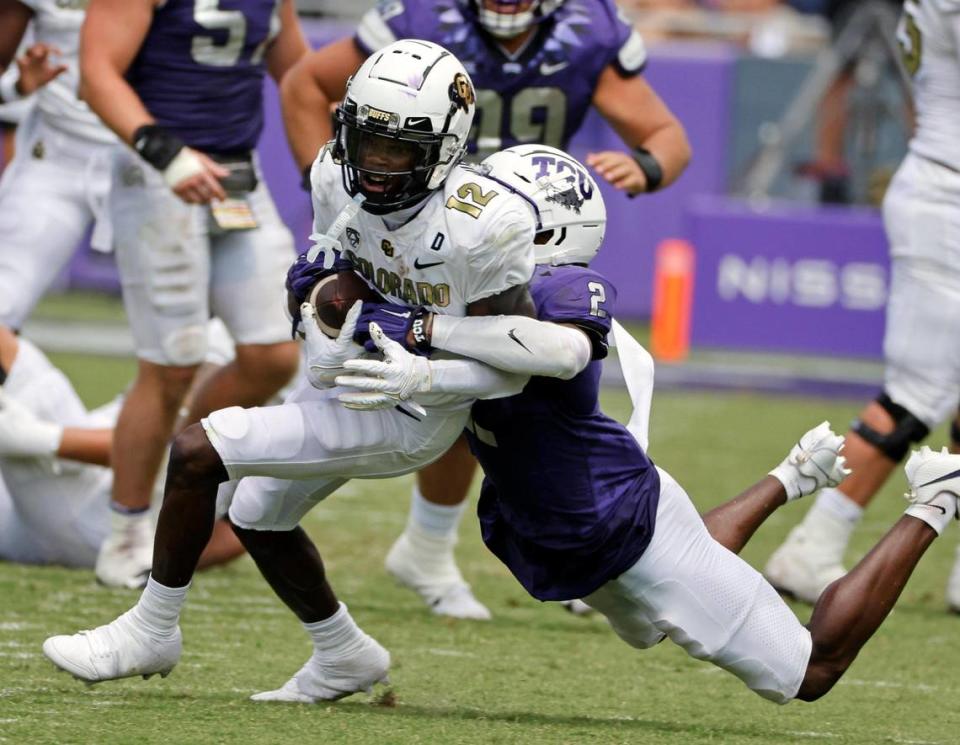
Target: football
(333, 296)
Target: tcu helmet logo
(461, 92)
(571, 192)
(566, 195)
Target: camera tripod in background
(865, 50)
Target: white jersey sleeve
(325, 187)
(495, 228)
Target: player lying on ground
(54, 467)
(429, 232)
(574, 507)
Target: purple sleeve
(385, 23)
(629, 54)
(576, 295)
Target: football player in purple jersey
(538, 66)
(573, 505)
(196, 232)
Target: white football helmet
(506, 19)
(570, 211)
(403, 124)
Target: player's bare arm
(642, 120)
(289, 46)
(309, 90)
(112, 34)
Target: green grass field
(533, 675)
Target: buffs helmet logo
(461, 92)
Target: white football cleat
(326, 679)
(430, 571)
(120, 649)
(126, 554)
(805, 564)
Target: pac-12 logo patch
(353, 237)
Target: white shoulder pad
(947, 6)
(326, 189)
(373, 31)
(494, 228)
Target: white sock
(937, 513)
(159, 607)
(336, 634)
(438, 520)
(827, 526)
(839, 505)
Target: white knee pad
(186, 345)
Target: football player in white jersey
(54, 467)
(430, 232)
(55, 188)
(515, 51)
(922, 348)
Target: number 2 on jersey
(598, 295)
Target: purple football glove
(303, 274)
(406, 326)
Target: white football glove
(22, 434)
(325, 356)
(382, 384)
(813, 463)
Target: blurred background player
(196, 231)
(538, 66)
(55, 188)
(922, 348)
(55, 472)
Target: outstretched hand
(37, 68)
(813, 463)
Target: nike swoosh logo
(513, 336)
(397, 315)
(547, 69)
(942, 478)
(418, 265)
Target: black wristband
(650, 167)
(418, 329)
(305, 182)
(156, 146)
